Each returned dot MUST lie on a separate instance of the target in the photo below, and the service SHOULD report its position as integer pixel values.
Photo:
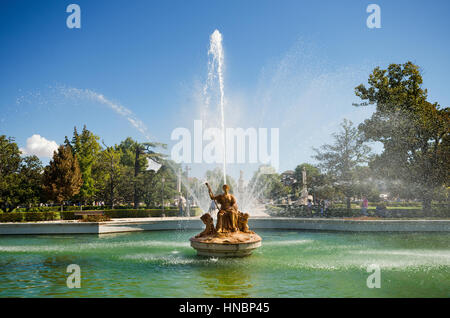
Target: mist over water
(289, 264)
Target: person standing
(309, 207)
(364, 205)
(326, 204)
(181, 205)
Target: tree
(266, 184)
(86, 148)
(30, 173)
(340, 159)
(135, 154)
(366, 184)
(62, 177)
(19, 177)
(108, 173)
(414, 132)
(154, 190)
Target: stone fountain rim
(255, 239)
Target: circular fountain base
(236, 244)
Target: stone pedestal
(237, 244)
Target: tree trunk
(111, 194)
(349, 205)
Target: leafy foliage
(86, 148)
(19, 177)
(414, 132)
(62, 177)
(341, 159)
(268, 184)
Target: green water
(289, 264)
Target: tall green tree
(19, 177)
(155, 190)
(30, 188)
(414, 132)
(340, 159)
(86, 148)
(135, 154)
(62, 177)
(108, 174)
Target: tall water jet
(216, 51)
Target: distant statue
(304, 194)
(304, 176)
(241, 182)
(227, 217)
(241, 187)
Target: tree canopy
(19, 176)
(341, 158)
(414, 132)
(62, 177)
(86, 148)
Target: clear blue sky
(289, 64)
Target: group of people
(380, 209)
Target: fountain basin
(238, 245)
(323, 264)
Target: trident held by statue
(211, 195)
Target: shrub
(68, 215)
(11, 217)
(34, 216)
(49, 216)
(95, 218)
(413, 212)
(140, 213)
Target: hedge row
(397, 204)
(27, 216)
(70, 215)
(77, 208)
(140, 213)
(342, 212)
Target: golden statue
(231, 236)
(227, 217)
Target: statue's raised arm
(211, 194)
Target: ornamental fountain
(231, 236)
